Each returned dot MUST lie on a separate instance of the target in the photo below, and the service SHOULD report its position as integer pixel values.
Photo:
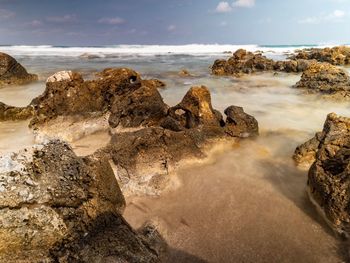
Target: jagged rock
(195, 109)
(9, 113)
(141, 107)
(53, 201)
(325, 79)
(184, 73)
(329, 175)
(336, 56)
(155, 82)
(245, 62)
(145, 158)
(306, 152)
(13, 73)
(240, 124)
(61, 76)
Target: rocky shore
(59, 207)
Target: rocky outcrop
(10, 113)
(57, 207)
(13, 73)
(329, 175)
(240, 124)
(145, 158)
(335, 56)
(245, 62)
(306, 152)
(325, 79)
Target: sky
(109, 22)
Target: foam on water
(103, 51)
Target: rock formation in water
(325, 79)
(245, 62)
(164, 135)
(145, 158)
(329, 175)
(336, 56)
(13, 73)
(57, 207)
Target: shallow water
(248, 203)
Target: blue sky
(88, 22)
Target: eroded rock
(245, 62)
(240, 124)
(336, 56)
(53, 202)
(325, 79)
(13, 73)
(329, 175)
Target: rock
(336, 56)
(13, 73)
(9, 113)
(306, 152)
(195, 109)
(141, 107)
(245, 62)
(185, 73)
(61, 76)
(90, 56)
(144, 159)
(325, 79)
(70, 95)
(155, 82)
(329, 175)
(240, 124)
(53, 201)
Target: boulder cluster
(339, 55)
(329, 175)
(13, 73)
(245, 62)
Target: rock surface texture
(245, 62)
(329, 175)
(57, 207)
(13, 73)
(336, 56)
(325, 79)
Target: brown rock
(325, 79)
(329, 175)
(9, 113)
(53, 201)
(336, 56)
(240, 124)
(13, 73)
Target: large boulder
(51, 200)
(325, 79)
(13, 73)
(240, 124)
(329, 175)
(196, 109)
(10, 113)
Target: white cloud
(111, 20)
(171, 28)
(62, 19)
(223, 7)
(35, 23)
(334, 17)
(6, 14)
(244, 3)
(223, 23)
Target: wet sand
(248, 204)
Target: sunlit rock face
(329, 175)
(55, 206)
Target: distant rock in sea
(13, 73)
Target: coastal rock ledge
(13, 73)
(329, 176)
(57, 207)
